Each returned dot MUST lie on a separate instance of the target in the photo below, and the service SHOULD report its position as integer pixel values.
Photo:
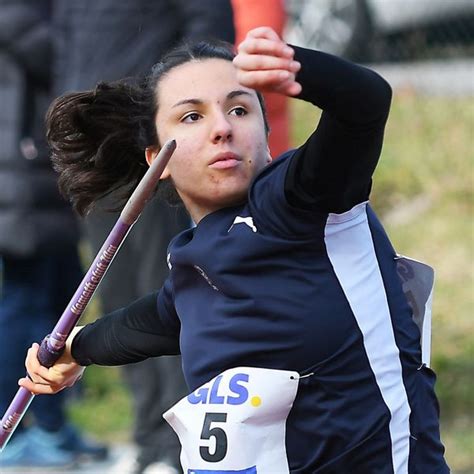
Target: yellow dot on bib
(255, 401)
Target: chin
(232, 198)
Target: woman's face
(219, 130)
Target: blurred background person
(249, 14)
(103, 40)
(39, 263)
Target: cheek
(188, 140)
(257, 148)
(182, 163)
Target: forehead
(208, 79)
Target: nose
(222, 129)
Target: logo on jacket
(244, 220)
(204, 275)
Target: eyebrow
(238, 92)
(229, 96)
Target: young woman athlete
(298, 343)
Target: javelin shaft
(53, 344)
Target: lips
(225, 161)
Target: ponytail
(98, 140)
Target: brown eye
(191, 117)
(239, 111)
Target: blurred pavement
(119, 461)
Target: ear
(150, 155)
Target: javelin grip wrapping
(47, 355)
(53, 344)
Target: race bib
(418, 283)
(236, 422)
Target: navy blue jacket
(302, 277)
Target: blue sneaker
(82, 447)
(24, 452)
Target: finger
(38, 389)
(33, 366)
(265, 46)
(54, 387)
(250, 62)
(290, 88)
(264, 79)
(38, 373)
(263, 32)
(37, 379)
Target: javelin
(53, 344)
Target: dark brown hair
(98, 137)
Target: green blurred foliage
(103, 405)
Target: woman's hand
(64, 373)
(265, 62)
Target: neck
(199, 211)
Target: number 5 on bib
(236, 422)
